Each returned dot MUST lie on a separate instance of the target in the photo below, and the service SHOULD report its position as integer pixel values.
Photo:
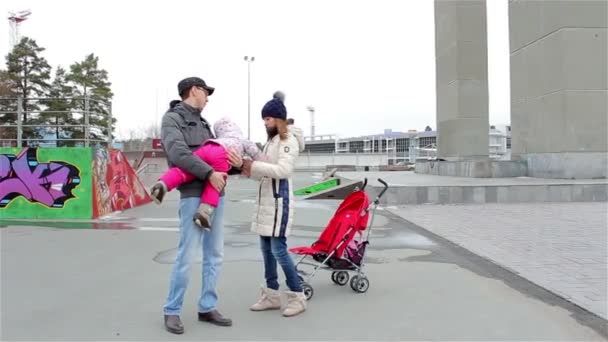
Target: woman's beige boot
(270, 300)
(296, 303)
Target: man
(183, 130)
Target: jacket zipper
(276, 213)
(257, 218)
(276, 206)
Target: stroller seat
(353, 254)
(349, 219)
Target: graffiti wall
(101, 190)
(66, 183)
(117, 187)
(45, 183)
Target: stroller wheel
(308, 291)
(340, 277)
(359, 284)
(333, 277)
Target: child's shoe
(158, 191)
(203, 216)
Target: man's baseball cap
(188, 83)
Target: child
(215, 153)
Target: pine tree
(30, 74)
(8, 107)
(8, 95)
(59, 107)
(88, 80)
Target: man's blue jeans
(274, 249)
(191, 238)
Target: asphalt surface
(66, 281)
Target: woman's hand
(235, 159)
(246, 168)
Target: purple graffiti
(48, 183)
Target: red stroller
(337, 249)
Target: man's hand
(235, 159)
(218, 180)
(246, 168)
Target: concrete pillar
(462, 79)
(559, 86)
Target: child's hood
(226, 128)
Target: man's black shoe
(214, 317)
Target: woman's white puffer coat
(273, 214)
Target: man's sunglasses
(203, 89)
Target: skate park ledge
(408, 187)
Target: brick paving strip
(559, 246)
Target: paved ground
(559, 246)
(109, 284)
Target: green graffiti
(80, 204)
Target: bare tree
(151, 131)
(140, 139)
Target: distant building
(401, 146)
(118, 145)
(49, 138)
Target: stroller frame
(359, 282)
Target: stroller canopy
(350, 218)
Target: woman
(273, 215)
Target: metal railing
(147, 168)
(92, 109)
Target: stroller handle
(377, 200)
(364, 184)
(383, 190)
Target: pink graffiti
(48, 183)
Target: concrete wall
(412, 195)
(462, 79)
(473, 168)
(320, 161)
(568, 165)
(559, 87)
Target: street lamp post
(311, 109)
(249, 60)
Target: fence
(80, 121)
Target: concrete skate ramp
(318, 187)
(345, 188)
(151, 170)
(116, 185)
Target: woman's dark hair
(282, 129)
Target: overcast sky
(365, 66)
